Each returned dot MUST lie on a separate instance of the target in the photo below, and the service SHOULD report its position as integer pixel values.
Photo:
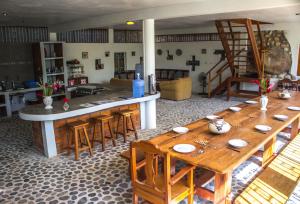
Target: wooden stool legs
(101, 123)
(77, 132)
(126, 117)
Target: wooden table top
(217, 156)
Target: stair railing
(219, 73)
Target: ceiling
(65, 12)
(49, 12)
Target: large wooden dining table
(221, 159)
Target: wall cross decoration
(193, 63)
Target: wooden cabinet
(50, 64)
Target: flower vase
(48, 102)
(66, 106)
(264, 102)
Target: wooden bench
(277, 181)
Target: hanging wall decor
(98, 64)
(107, 54)
(169, 57)
(159, 52)
(178, 52)
(85, 55)
(203, 51)
(133, 53)
(193, 63)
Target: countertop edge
(82, 111)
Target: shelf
(53, 58)
(55, 74)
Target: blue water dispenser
(138, 87)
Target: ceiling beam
(205, 7)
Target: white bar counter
(108, 99)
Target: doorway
(120, 62)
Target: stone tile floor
(26, 176)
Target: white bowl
(219, 129)
(263, 128)
(237, 143)
(251, 102)
(184, 148)
(295, 108)
(281, 117)
(235, 109)
(212, 117)
(181, 130)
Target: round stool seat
(78, 124)
(125, 112)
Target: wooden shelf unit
(50, 64)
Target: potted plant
(66, 105)
(47, 95)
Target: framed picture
(98, 64)
(133, 53)
(85, 55)
(203, 51)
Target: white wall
(97, 51)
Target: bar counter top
(108, 98)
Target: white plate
(184, 148)
(238, 143)
(87, 105)
(296, 108)
(263, 128)
(235, 109)
(181, 130)
(251, 102)
(212, 117)
(281, 117)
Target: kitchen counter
(11, 92)
(50, 123)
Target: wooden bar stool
(100, 122)
(126, 115)
(78, 129)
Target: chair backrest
(150, 165)
(286, 84)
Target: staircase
(243, 48)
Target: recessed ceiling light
(4, 13)
(130, 22)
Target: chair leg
(76, 145)
(111, 134)
(117, 127)
(103, 136)
(94, 132)
(190, 181)
(133, 126)
(124, 128)
(135, 198)
(88, 141)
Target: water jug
(138, 87)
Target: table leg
(8, 105)
(49, 139)
(222, 188)
(269, 151)
(295, 128)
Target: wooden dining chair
(159, 187)
(285, 84)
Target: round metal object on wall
(178, 52)
(159, 52)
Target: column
(149, 68)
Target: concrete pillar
(149, 68)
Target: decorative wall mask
(178, 52)
(193, 63)
(107, 54)
(159, 52)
